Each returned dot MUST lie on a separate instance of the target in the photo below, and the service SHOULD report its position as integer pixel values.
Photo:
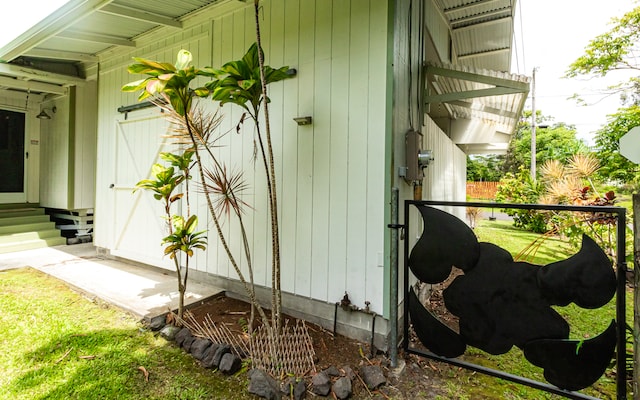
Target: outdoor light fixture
(303, 120)
(43, 114)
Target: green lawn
(57, 344)
(584, 323)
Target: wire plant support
(617, 288)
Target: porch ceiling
(476, 92)
(56, 52)
(481, 32)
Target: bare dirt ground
(419, 379)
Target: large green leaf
(135, 85)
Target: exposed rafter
(479, 18)
(61, 19)
(97, 38)
(481, 24)
(61, 55)
(500, 86)
(33, 86)
(140, 15)
(468, 7)
(483, 53)
(39, 75)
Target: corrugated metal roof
(81, 30)
(483, 101)
(481, 32)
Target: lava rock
(292, 386)
(263, 385)
(220, 352)
(332, 371)
(321, 384)
(198, 347)
(182, 335)
(188, 341)
(300, 390)
(372, 376)
(209, 353)
(169, 332)
(230, 364)
(158, 322)
(342, 388)
(348, 372)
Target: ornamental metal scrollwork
(502, 303)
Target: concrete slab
(143, 291)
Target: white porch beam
(483, 53)
(140, 15)
(96, 38)
(58, 21)
(39, 75)
(11, 83)
(62, 55)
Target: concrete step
(31, 219)
(31, 244)
(21, 212)
(37, 226)
(17, 206)
(28, 236)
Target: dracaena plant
(242, 82)
(165, 184)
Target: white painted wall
(68, 150)
(54, 155)
(331, 183)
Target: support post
(636, 295)
(393, 280)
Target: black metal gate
(501, 303)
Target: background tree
(615, 50)
(553, 142)
(614, 167)
(484, 168)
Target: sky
(549, 36)
(20, 15)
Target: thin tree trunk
(636, 295)
(249, 289)
(275, 234)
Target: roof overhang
(58, 51)
(483, 106)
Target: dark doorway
(12, 151)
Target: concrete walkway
(143, 291)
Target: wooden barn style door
(138, 226)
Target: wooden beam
(39, 75)
(483, 108)
(61, 55)
(140, 15)
(12, 83)
(96, 38)
(480, 78)
(483, 53)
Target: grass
(57, 344)
(584, 323)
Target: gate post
(636, 295)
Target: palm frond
(552, 169)
(227, 189)
(583, 165)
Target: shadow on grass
(105, 365)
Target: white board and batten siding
(68, 143)
(330, 174)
